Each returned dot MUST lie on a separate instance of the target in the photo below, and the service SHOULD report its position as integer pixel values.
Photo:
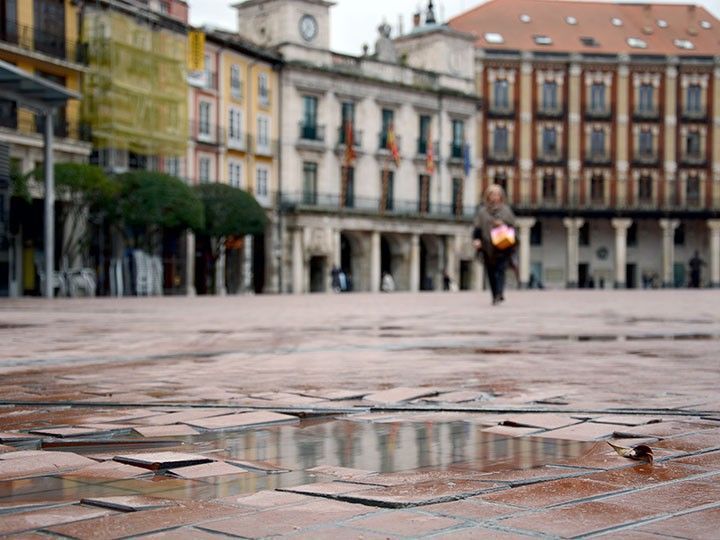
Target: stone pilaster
(668, 227)
(622, 157)
(714, 226)
(414, 263)
(526, 134)
(525, 224)
(298, 262)
(621, 226)
(573, 227)
(375, 268)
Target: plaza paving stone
(470, 421)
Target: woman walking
(496, 252)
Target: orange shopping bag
(503, 237)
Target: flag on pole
(349, 144)
(392, 145)
(429, 154)
(466, 158)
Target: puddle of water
(387, 447)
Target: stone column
(452, 258)
(525, 224)
(526, 134)
(414, 263)
(190, 264)
(375, 261)
(220, 289)
(298, 262)
(573, 227)
(668, 227)
(621, 226)
(714, 226)
(247, 274)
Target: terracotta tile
(178, 430)
(551, 493)
(673, 497)
(137, 523)
(422, 493)
(341, 473)
(323, 489)
(130, 503)
(279, 521)
(580, 519)
(459, 396)
(20, 454)
(262, 466)
(5, 448)
(335, 532)
(338, 395)
(243, 420)
(400, 394)
(474, 533)
(627, 420)
(663, 429)
(709, 461)
(41, 464)
(266, 499)
(518, 477)
(580, 432)
(405, 523)
(701, 524)
(184, 533)
(205, 470)
(644, 474)
(416, 477)
(472, 508)
(543, 421)
(110, 470)
(602, 456)
(705, 440)
(162, 460)
(512, 431)
(38, 519)
(183, 416)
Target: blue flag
(466, 159)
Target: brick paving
(361, 416)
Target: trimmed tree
(229, 211)
(151, 202)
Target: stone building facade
(601, 120)
(377, 170)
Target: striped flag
(349, 157)
(392, 145)
(429, 154)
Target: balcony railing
(694, 116)
(500, 158)
(694, 160)
(597, 159)
(550, 112)
(549, 158)
(382, 141)
(456, 150)
(207, 133)
(263, 146)
(373, 205)
(312, 132)
(646, 115)
(501, 111)
(356, 137)
(597, 113)
(264, 98)
(645, 160)
(32, 39)
(237, 141)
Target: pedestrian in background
(494, 214)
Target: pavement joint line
(654, 519)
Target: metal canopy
(32, 91)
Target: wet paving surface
(394, 416)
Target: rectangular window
(49, 27)
(458, 139)
(210, 77)
(646, 102)
(693, 102)
(172, 166)
(424, 133)
(8, 21)
(597, 143)
(263, 89)
(235, 173)
(309, 183)
(501, 95)
(423, 194)
(204, 119)
(549, 96)
(549, 188)
(500, 141)
(388, 190)
(235, 82)
(263, 134)
(204, 170)
(308, 128)
(692, 190)
(457, 196)
(645, 188)
(235, 132)
(549, 142)
(597, 188)
(692, 144)
(347, 191)
(261, 183)
(388, 118)
(347, 117)
(597, 98)
(645, 143)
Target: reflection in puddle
(386, 447)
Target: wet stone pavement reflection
(360, 416)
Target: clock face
(308, 27)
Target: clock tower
(273, 23)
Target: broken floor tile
(65, 432)
(167, 419)
(110, 470)
(129, 503)
(138, 523)
(177, 430)
(627, 420)
(544, 421)
(263, 466)
(459, 396)
(400, 394)
(41, 464)
(337, 395)
(206, 470)
(162, 460)
(322, 489)
(341, 473)
(265, 499)
(405, 523)
(471, 508)
(406, 495)
(243, 420)
(46, 517)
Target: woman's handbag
(503, 237)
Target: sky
(354, 22)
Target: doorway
(318, 274)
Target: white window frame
(205, 124)
(236, 138)
(172, 166)
(262, 184)
(263, 134)
(235, 173)
(263, 89)
(204, 159)
(236, 90)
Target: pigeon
(641, 452)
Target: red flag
(429, 154)
(392, 145)
(349, 144)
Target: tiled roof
(592, 27)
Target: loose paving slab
(242, 420)
(162, 460)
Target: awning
(30, 90)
